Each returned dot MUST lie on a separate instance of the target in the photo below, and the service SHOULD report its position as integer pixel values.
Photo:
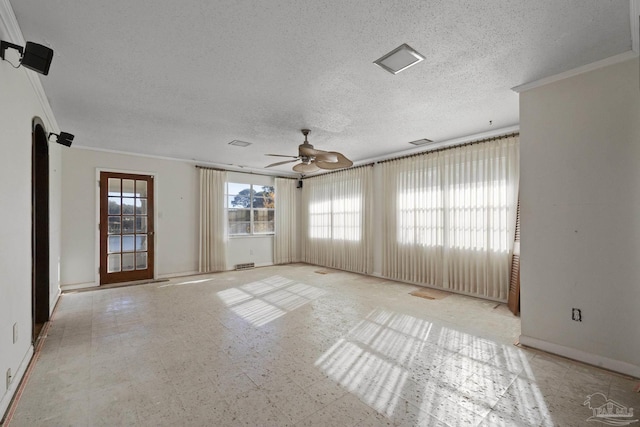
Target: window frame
(251, 209)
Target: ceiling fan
(313, 160)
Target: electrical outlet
(9, 378)
(576, 314)
(15, 333)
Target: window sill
(252, 236)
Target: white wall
(580, 207)
(177, 215)
(19, 105)
(176, 210)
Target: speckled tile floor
(284, 345)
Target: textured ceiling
(183, 78)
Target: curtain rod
(339, 170)
(248, 172)
(479, 141)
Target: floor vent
(245, 266)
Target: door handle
(150, 233)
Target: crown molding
(576, 71)
(10, 29)
(441, 144)
(9, 24)
(634, 14)
(195, 162)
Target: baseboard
(182, 274)
(582, 356)
(17, 377)
(53, 301)
(264, 264)
(424, 285)
(75, 286)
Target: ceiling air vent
(423, 141)
(240, 143)
(399, 59)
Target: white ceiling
(182, 79)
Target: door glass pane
(126, 226)
(127, 188)
(141, 243)
(127, 205)
(113, 263)
(127, 244)
(114, 205)
(141, 261)
(141, 224)
(114, 187)
(114, 225)
(141, 206)
(127, 262)
(141, 188)
(113, 244)
(128, 223)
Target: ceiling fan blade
(342, 162)
(282, 155)
(306, 168)
(326, 156)
(281, 163)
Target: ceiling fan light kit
(313, 160)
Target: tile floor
(284, 345)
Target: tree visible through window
(250, 209)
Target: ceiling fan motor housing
(314, 160)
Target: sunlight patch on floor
(189, 282)
(266, 300)
(466, 375)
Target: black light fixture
(64, 138)
(35, 56)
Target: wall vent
(245, 266)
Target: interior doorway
(39, 228)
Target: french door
(126, 227)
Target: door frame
(97, 216)
(40, 227)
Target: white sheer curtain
(335, 222)
(450, 220)
(285, 240)
(213, 221)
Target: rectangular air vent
(423, 141)
(245, 266)
(238, 143)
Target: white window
(250, 209)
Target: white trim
(264, 264)
(9, 25)
(15, 382)
(223, 166)
(576, 71)
(634, 15)
(181, 274)
(79, 286)
(582, 356)
(442, 144)
(53, 301)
